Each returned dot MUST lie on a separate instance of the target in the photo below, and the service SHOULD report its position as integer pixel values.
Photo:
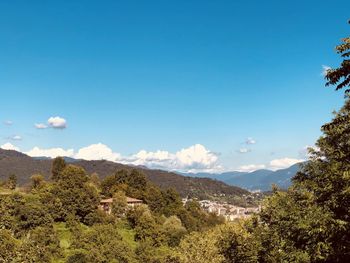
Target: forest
(58, 220)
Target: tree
(148, 229)
(327, 176)
(37, 181)
(74, 194)
(119, 204)
(102, 243)
(40, 245)
(33, 214)
(12, 181)
(293, 228)
(199, 247)
(236, 244)
(58, 165)
(341, 76)
(173, 230)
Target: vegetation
(59, 220)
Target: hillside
(23, 166)
(257, 180)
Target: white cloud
(325, 69)
(251, 167)
(244, 150)
(273, 165)
(52, 152)
(16, 138)
(8, 123)
(9, 146)
(97, 151)
(53, 122)
(40, 126)
(283, 163)
(195, 158)
(57, 122)
(250, 140)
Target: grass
(64, 235)
(127, 234)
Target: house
(106, 204)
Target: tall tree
(12, 181)
(58, 166)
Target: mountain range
(24, 166)
(257, 180)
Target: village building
(228, 211)
(106, 204)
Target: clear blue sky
(166, 75)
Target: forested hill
(24, 166)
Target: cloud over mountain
(195, 158)
(51, 152)
(9, 146)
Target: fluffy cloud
(9, 146)
(97, 151)
(57, 122)
(16, 138)
(251, 167)
(250, 140)
(273, 165)
(195, 158)
(40, 126)
(53, 122)
(52, 152)
(283, 163)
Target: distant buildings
(228, 211)
(106, 204)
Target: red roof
(128, 200)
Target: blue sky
(187, 82)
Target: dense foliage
(59, 221)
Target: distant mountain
(257, 180)
(23, 166)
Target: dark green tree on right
(341, 76)
(327, 174)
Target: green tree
(103, 243)
(119, 204)
(200, 247)
(40, 245)
(173, 230)
(236, 244)
(148, 229)
(37, 181)
(58, 165)
(32, 214)
(12, 181)
(147, 252)
(327, 175)
(341, 76)
(75, 194)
